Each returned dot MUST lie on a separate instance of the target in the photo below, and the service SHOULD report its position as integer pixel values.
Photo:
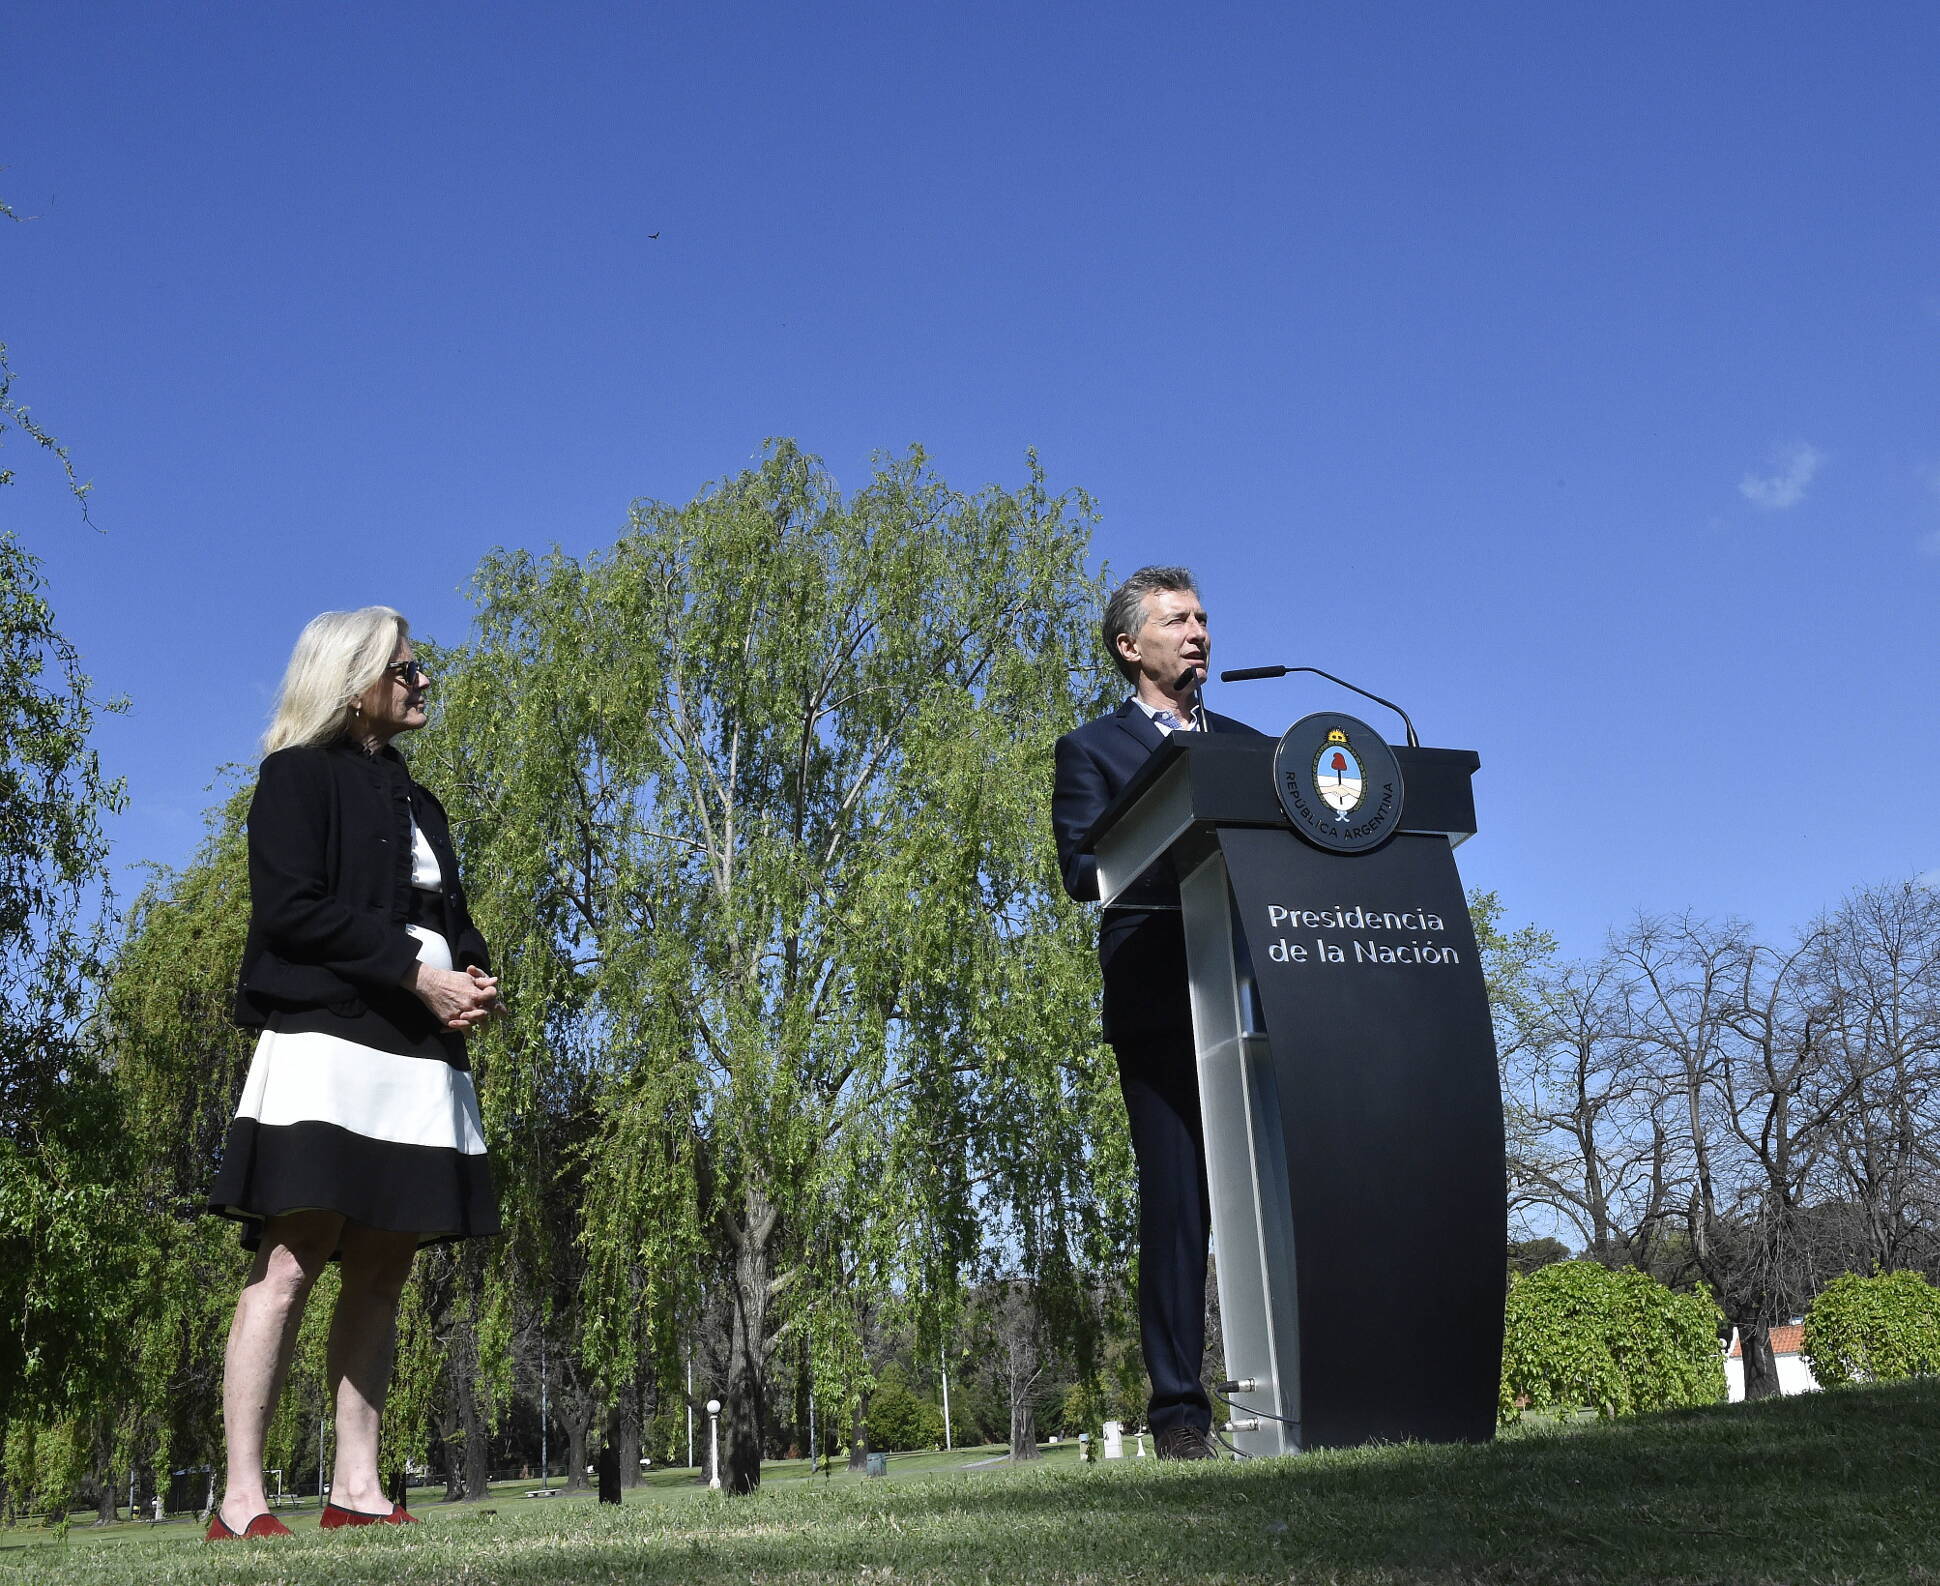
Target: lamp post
(714, 1444)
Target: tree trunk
(450, 1431)
(629, 1437)
(859, 1435)
(1023, 1365)
(478, 1463)
(609, 1458)
(1023, 1428)
(477, 1452)
(1761, 1370)
(1212, 1362)
(105, 1490)
(468, 1457)
(575, 1408)
(744, 1417)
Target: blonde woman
(357, 1138)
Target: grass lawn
(1825, 1488)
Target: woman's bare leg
(362, 1335)
(294, 1250)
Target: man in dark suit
(1155, 629)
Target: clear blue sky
(1569, 372)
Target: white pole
(545, 1415)
(714, 1439)
(690, 1412)
(944, 1361)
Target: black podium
(1347, 1078)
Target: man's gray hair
(1125, 610)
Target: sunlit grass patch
(1832, 1487)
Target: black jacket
(1141, 944)
(330, 881)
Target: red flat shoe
(261, 1525)
(334, 1517)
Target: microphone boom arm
(1243, 674)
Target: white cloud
(1793, 468)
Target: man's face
(1172, 638)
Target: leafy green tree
(60, 1141)
(898, 1419)
(1579, 1335)
(1874, 1329)
(1081, 1408)
(1531, 1255)
(62, 1267)
(753, 802)
(1512, 963)
(15, 416)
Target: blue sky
(1569, 373)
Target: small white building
(1794, 1375)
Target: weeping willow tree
(752, 804)
(60, 1268)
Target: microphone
(1185, 677)
(1245, 674)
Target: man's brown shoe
(1185, 1442)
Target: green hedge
(1580, 1336)
(1875, 1329)
(898, 1419)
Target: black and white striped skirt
(372, 1115)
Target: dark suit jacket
(330, 881)
(1141, 948)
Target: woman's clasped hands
(460, 999)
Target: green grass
(1827, 1488)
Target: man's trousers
(1160, 1082)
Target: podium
(1347, 1080)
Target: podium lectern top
(1199, 781)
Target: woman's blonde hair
(338, 655)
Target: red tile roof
(1785, 1340)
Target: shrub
(898, 1419)
(1875, 1329)
(1581, 1336)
